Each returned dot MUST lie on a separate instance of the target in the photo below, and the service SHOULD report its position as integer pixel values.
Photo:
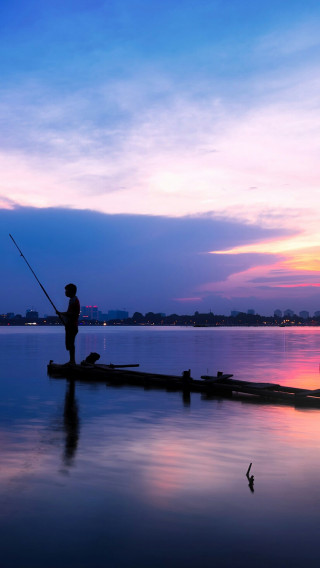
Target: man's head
(70, 290)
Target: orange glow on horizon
(300, 242)
(297, 267)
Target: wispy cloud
(292, 275)
(175, 156)
(296, 38)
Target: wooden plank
(225, 379)
(227, 382)
(113, 366)
(269, 386)
(302, 393)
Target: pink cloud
(266, 281)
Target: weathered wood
(117, 374)
(315, 392)
(237, 384)
(112, 366)
(220, 384)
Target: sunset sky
(164, 155)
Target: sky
(164, 155)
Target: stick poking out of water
(250, 478)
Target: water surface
(123, 477)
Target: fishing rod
(37, 279)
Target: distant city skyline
(93, 312)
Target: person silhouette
(70, 319)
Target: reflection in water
(155, 483)
(186, 398)
(71, 424)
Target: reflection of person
(71, 424)
(70, 319)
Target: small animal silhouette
(91, 359)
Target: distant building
(32, 315)
(304, 314)
(89, 312)
(234, 313)
(317, 314)
(277, 313)
(10, 315)
(117, 314)
(288, 313)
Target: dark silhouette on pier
(70, 319)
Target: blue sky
(200, 117)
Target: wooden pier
(220, 384)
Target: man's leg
(70, 344)
(72, 352)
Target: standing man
(70, 319)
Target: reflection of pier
(71, 424)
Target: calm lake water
(127, 477)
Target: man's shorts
(71, 333)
